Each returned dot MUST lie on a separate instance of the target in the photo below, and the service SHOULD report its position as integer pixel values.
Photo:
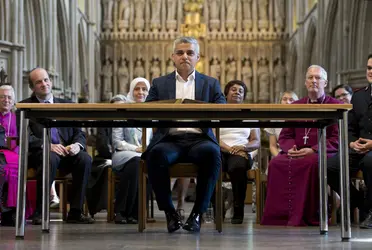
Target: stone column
(320, 32)
(52, 43)
(19, 91)
(301, 7)
(15, 69)
(91, 6)
(74, 48)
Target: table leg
(344, 178)
(22, 177)
(46, 181)
(323, 204)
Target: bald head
(40, 83)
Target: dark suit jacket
(207, 89)
(67, 135)
(360, 117)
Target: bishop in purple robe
(293, 182)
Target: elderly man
(67, 151)
(171, 145)
(360, 155)
(292, 197)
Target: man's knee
(83, 160)
(158, 155)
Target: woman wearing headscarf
(126, 158)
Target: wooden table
(187, 115)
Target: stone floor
(102, 235)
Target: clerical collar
(50, 100)
(190, 77)
(319, 100)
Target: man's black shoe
(193, 223)
(79, 219)
(173, 221)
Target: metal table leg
(323, 204)
(344, 178)
(22, 177)
(46, 181)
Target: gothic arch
(310, 42)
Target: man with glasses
(67, 151)
(196, 145)
(360, 154)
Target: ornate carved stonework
(239, 39)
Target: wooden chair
(177, 170)
(60, 179)
(358, 177)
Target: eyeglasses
(188, 52)
(3, 97)
(342, 95)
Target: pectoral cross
(305, 139)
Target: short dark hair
(369, 56)
(232, 83)
(342, 86)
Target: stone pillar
(320, 32)
(91, 6)
(52, 43)
(74, 48)
(20, 42)
(301, 7)
(15, 68)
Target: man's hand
(362, 145)
(139, 150)
(73, 149)
(293, 152)
(235, 149)
(59, 149)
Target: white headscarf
(133, 84)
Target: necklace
(306, 136)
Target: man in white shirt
(194, 145)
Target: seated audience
(286, 98)
(343, 93)
(8, 159)
(236, 143)
(360, 154)
(67, 151)
(293, 180)
(127, 145)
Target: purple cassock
(293, 183)
(8, 121)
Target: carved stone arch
(328, 31)
(63, 41)
(83, 58)
(310, 42)
(292, 66)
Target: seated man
(293, 179)
(360, 155)
(67, 151)
(172, 145)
